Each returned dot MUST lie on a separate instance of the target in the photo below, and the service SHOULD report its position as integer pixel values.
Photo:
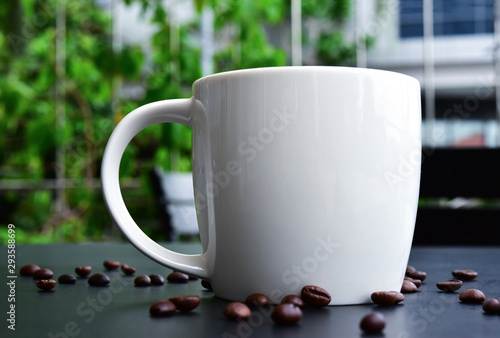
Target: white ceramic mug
(302, 175)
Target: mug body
(313, 178)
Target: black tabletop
(122, 310)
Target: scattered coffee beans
(408, 287)
(142, 280)
(110, 264)
(28, 270)
(373, 322)
(67, 279)
(98, 279)
(178, 277)
(236, 310)
(206, 284)
(387, 298)
(491, 305)
(257, 299)
(285, 314)
(83, 271)
(186, 303)
(162, 308)
(464, 274)
(472, 296)
(46, 284)
(415, 274)
(315, 296)
(417, 282)
(128, 270)
(293, 299)
(43, 274)
(157, 279)
(451, 285)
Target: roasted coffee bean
(67, 279)
(417, 275)
(157, 279)
(293, 299)
(492, 305)
(98, 279)
(186, 303)
(257, 299)
(315, 296)
(285, 314)
(142, 280)
(46, 284)
(193, 278)
(408, 287)
(162, 308)
(83, 271)
(178, 277)
(472, 296)
(128, 270)
(236, 310)
(28, 270)
(43, 274)
(387, 298)
(373, 323)
(206, 284)
(464, 274)
(110, 264)
(417, 282)
(410, 269)
(451, 285)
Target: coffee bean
(43, 274)
(472, 296)
(285, 314)
(110, 264)
(257, 299)
(451, 285)
(464, 274)
(178, 277)
(206, 284)
(98, 279)
(417, 275)
(28, 270)
(142, 280)
(293, 299)
(387, 298)
(410, 269)
(128, 270)
(236, 310)
(193, 277)
(67, 279)
(157, 279)
(83, 271)
(162, 308)
(186, 303)
(46, 284)
(408, 287)
(315, 296)
(417, 282)
(491, 305)
(373, 322)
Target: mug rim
(283, 69)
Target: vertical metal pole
(60, 65)
(496, 60)
(429, 84)
(207, 40)
(360, 33)
(296, 23)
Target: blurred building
(451, 46)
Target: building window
(451, 17)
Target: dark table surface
(121, 310)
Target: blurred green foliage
(93, 103)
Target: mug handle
(184, 111)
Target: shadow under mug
(302, 176)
